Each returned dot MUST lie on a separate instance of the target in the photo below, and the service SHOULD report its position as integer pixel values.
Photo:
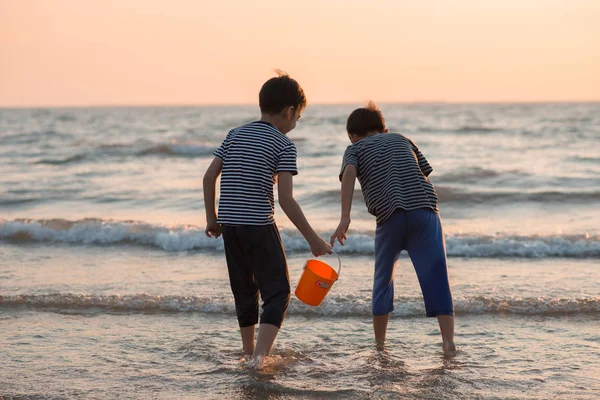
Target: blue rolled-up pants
(419, 232)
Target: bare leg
(447, 328)
(248, 339)
(266, 337)
(380, 323)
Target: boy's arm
(290, 206)
(208, 184)
(421, 160)
(348, 181)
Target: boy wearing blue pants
(394, 179)
(252, 158)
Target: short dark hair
(279, 93)
(366, 119)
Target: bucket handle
(310, 255)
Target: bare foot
(255, 362)
(449, 349)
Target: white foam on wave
(188, 237)
(334, 305)
(103, 232)
(531, 246)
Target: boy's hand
(319, 247)
(212, 229)
(340, 232)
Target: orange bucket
(316, 280)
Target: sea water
(109, 288)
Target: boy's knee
(382, 308)
(383, 288)
(275, 307)
(383, 301)
(282, 298)
(247, 314)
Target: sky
(180, 52)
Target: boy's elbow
(209, 178)
(285, 201)
(213, 171)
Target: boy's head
(365, 121)
(283, 99)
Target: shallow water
(87, 354)
(84, 322)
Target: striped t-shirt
(392, 173)
(252, 155)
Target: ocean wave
(120, 150)
(60, 161)
(35, 137)
(334, 305)
(192, 238)
(476, 129)
(453, 195)
(470, 175)
(541, 196)
(11, 202)
(183, 150)
(584, 159)
(465, 129)
(457, 196)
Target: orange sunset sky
(153, 52)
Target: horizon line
(195, 105)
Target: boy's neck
(273, 119)
(369, 135)
(356, 138)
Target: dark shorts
(419, 232)
(256, 263)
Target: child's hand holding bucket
(319, 247)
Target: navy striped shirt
(393, 174)
(252, 155)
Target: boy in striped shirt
(251, 159)
(393, 175)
